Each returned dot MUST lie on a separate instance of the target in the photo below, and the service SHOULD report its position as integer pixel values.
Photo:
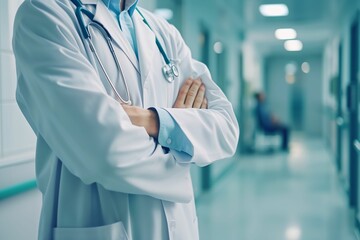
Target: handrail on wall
(17, 189)
(13, 161)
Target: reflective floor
(278, 196)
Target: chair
(264, 140)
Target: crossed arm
(91, 134)
(191, 95)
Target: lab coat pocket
(115, 231)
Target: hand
(191, 95)
(143, 118)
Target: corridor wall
(17, 143)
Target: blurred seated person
(268, 123)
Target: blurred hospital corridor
(279, 88)
(288, 196)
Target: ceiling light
(305, 67)
(293, 233)
(218, 47)
(274, 10)
(164, 13)
(291, 68)
(293, 45)
(290, 79)
(285, 33)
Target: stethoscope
(169, 70)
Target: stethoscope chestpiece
(170, 72)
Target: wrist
(145, 118)
(152, 123)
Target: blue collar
(114, 5)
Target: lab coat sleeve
(213, 132)
(170, 134)
(60, 94)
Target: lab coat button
(168, 141)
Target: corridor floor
(278, 196)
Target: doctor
(109, 169)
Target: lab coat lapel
(145, 38)
(103, 16)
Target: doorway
(339, 112)
(204, 39)
(352, 105)
(354, 110)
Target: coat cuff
(170, 133)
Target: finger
(199, 97)
(180, 99)
(204, 104)
(190, 97)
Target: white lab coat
(101, 177)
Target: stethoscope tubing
(169, 71)
(161, 49)
(128, 102)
